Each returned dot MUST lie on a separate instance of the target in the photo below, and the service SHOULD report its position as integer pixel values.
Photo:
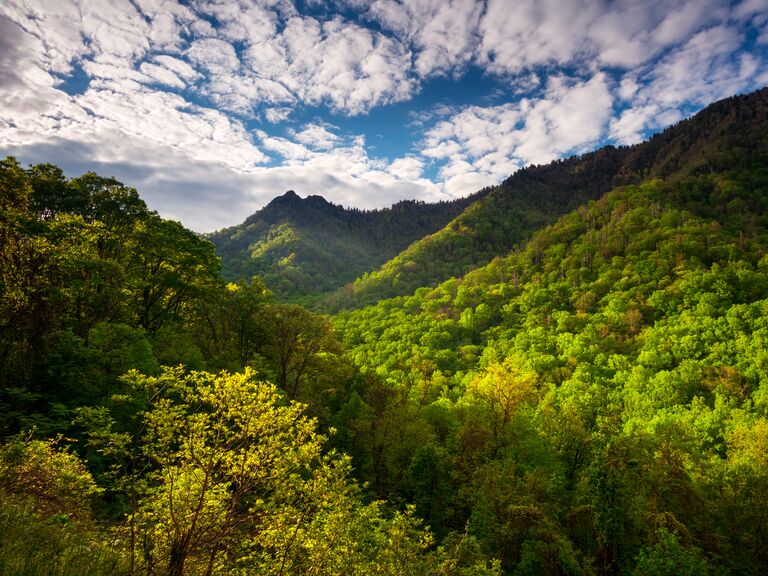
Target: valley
(566, 373)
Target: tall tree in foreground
(239, 482)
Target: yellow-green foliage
(46, 526)
(603, 382)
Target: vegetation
(594, 401)
(504, 217)
(114, 462)
(305, 248)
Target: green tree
(302, 346)
(667, 557)
(238, 480)
(56, 481)
(168, 267)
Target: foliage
(57, 481)
(238, 482)
(593, 402)
(46, 526)
(304, 248)
(34, 546)
(589, 390)
(667, 556)
(505, 216)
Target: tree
(238, 481)
(56, 480)
(667, 556)
(302, 346)
(46, 524)
(168, 267)
(230, 324)
(26, 264)
(500, 390)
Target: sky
(211, 108)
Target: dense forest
(505, 216)
(157, 420)
(304, 248)
(330, 258)
(586, 396)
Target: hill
(594, 402)
(535, 196)
(137, 406)
(303, 247)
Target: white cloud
(242, 93)
(763, 37)
(275, 115)
(443, 32)
(533, 32)
(114, 27)
(345, 66)
(214, 55)
(162, 75)
(408, 168)
(467, 182)
(180, 68)
(247, 21)
(623, 33)
(57, 28)
(168, 21)
(704, 69)
(317, 137)
(749, 8)
(115, 109)
(27, 90)
(494, 141)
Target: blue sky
(210, 108)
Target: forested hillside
(536, 195)
(303, 248)
(156, 420)
(593, 401)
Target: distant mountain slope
(535, 196)
(629, 247)
(630, 336)
(305, 247)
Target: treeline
(495, 224)
(305, 248)
(156, 420)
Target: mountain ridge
(312, 251)
(303, 247)
(536, 195)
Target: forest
(305, 248)
(586, 394)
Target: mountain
(310, 250)
(535, 196)
(594, 401)
(303, 247)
